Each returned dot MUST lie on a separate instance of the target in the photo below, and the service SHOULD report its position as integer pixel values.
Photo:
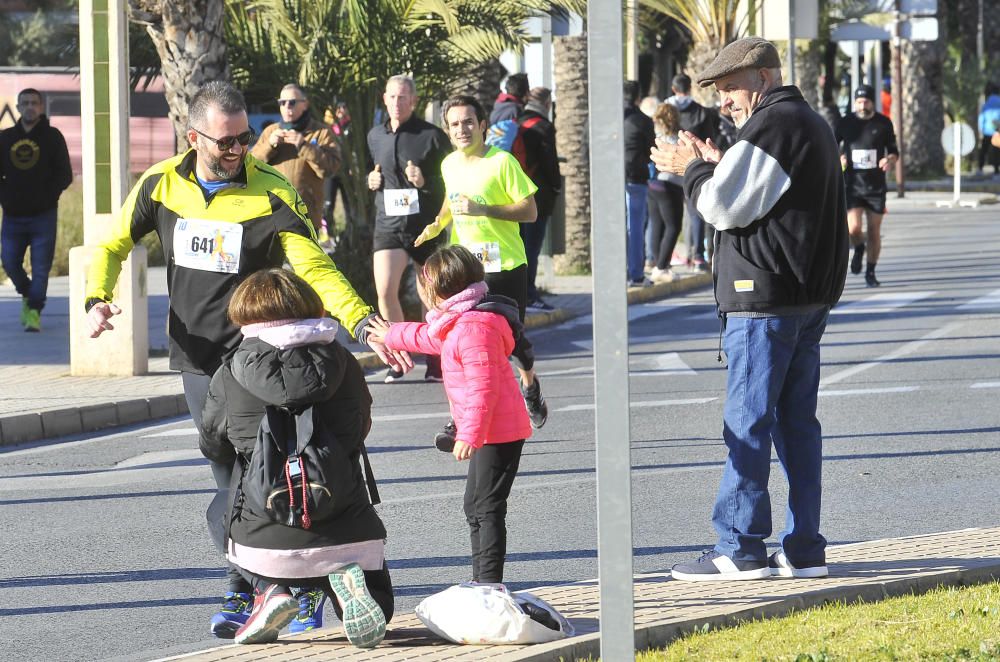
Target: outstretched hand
(98, 316)
(432, 230)
(377, 330)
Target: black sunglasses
(226, 144)
(288, 102)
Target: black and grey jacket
(777, 200)
(325, 375)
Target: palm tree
(346, 49)
(188, 37)
(712, 24)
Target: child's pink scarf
(445, 313)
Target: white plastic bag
(488, 614)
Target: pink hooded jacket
(485, 399)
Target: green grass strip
(944, 624)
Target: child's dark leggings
(491, 473)
(379, 585)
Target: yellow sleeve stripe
(315, 267)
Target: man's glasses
(288, 102)
(226, 144)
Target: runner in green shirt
(488, 195)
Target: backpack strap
(370, 477)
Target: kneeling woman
(289, 359)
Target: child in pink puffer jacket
(484, 395)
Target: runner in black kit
(406, 177)
(867, 151)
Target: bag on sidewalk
(488, 614)
(299, 473)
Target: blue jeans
(635, 201)
(17, 234)
(773, 379)
(533, 235)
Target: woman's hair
(450, 270)
(667, 116)
(273, 294)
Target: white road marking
(990, 301)
(880, 303)
(908, 348)
(986, 385)
(672, 363)
(145, 459)
(180, 432)
(649, 403)
(46, 447)
(410, 417)
(868, 391)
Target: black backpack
(299, 474)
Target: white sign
(918, 6)
(858, 31)
(772, 19)
(964, 136)
(919, 29)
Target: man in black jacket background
(542, 166)
(34, 171)
(776, 199)
(640, 136)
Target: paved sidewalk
(40, 400)
(666, 609)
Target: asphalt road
(104, 551)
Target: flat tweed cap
(749, 53)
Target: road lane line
(869, 391)
(649, 403)
(880, 303)
(899, 352)
(989, 301)
(986, 385)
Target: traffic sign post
(960, 140)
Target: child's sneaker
(272, 610)
(444, 440)
(233, 615)
(538, 411)
(364, 622)
(310, 616)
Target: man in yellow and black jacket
(220, 214)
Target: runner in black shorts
(406, 178)
(867, 151)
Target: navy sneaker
(870, 279)
(857, 258)
(233, 615)
(714, 567)
(310, 615)
(781, 567)
(272, 610)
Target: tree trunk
(700, 56)
(189, 39)
(483, 83)
(923, 107)
(573, 144)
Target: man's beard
(864, 114)
(216, 168)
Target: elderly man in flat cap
(776, 200)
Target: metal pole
(897, 100)
(878, 77)
(611, 396)
(791, 42)
(632, 29)
(957, 159)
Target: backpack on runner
(508, 135)
(299, 473)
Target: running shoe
(444, 440)
(272, 610)
(363, 619)
(858, 258)
(393, 375)
(433, 371)
(871, 280)
(663, 275)
(233, 615)
(33, 320)
(310, 616)
(538, 411)
(538, 303)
